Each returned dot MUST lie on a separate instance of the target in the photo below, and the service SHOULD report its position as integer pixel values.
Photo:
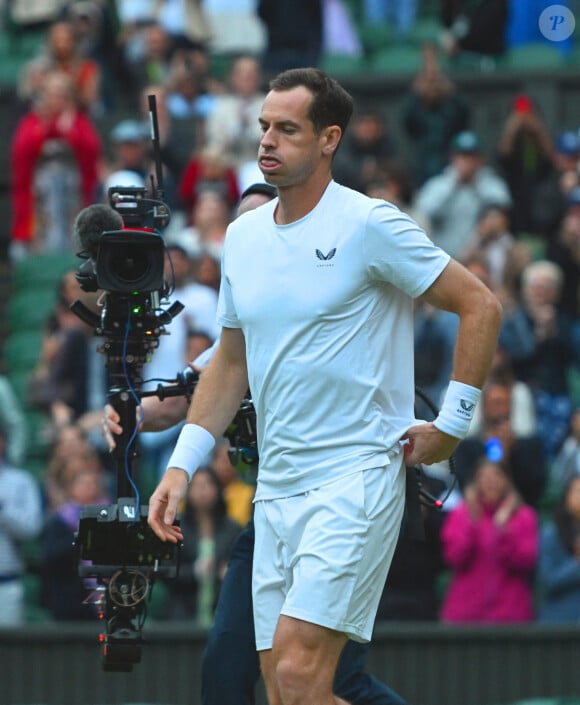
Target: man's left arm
(479, 312)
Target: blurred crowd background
(503, 197)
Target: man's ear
(331, 138)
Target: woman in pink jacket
(490, 543)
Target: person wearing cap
(550, 200)
(453, 199)
(130, 150)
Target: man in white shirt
(316, 313)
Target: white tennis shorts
(323, 556)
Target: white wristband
(193, 446)
(457, 409)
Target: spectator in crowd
(179, 136)
(525, 157)
(232, 128)
(507, 397)
(393, 183)
(210, 217)
(62, 55)
(20, 520)
(294, 33)
(70, 448)
(366, 147)
(77, 378)
(493, 240)
(13, 424)
(134, 19)
(60, 320)
(69, 378)
(566, 464)
(208, 537)
(558, 576)
(565, 252)
(130, 145)
(54, 158)
(453, 199)
(432, 114)
(186, 99)
(153, 64)
(208, 170)
(63, 591)
(94, 26)
(507, 434)
(551, 197)
(539, 339)
(207, 270)
(490, 542)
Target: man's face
(290, 150)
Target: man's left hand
(426, 445)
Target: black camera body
(112, 537)
(127, 261)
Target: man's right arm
(216, 399)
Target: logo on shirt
(325, 257)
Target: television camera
(124, 255)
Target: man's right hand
(164, 502)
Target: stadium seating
(533, 56)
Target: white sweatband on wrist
(457, 410)
(193, 446)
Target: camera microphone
(91, 223)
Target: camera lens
(130, 265)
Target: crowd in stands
(506, 546)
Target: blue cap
(129, 131)
(466, 142)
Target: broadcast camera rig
(115, 545)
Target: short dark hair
(331, 103)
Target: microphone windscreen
(91, 223)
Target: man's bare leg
(300, 667)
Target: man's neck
(295, 202)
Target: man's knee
(304, 660)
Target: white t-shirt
(325, 305)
